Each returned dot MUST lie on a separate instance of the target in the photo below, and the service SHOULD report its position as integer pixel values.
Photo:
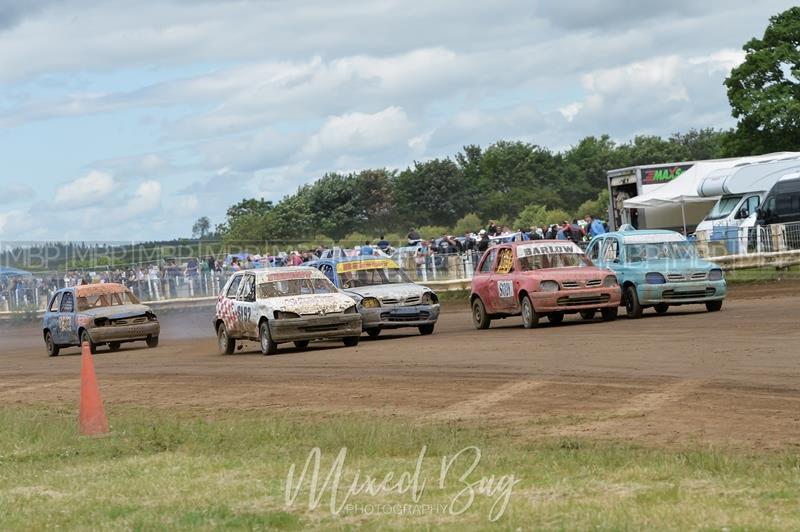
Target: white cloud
(359, 132)
(569, 111)
(85, 190)
(146, 199)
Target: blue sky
(129, 120)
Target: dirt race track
(726, 378)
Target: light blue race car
(658, 269)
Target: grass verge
(183, 472)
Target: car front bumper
(575, 300)
(397, 317)
(124, 333)
(682, 293)
(315, 328)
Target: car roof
(648, 235)
(358, 258)
(284, 273)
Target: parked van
(782, 203)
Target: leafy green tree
(470, 222)
(201, 227)
(375, 199)
(333, 205)
(764, 91)
(597, 207)
(515, 174)
(431, 192)
(291, 219)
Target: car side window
(327, 269)
(234, 287)
(67, 303)
(486, 265)
(56, 302)
(248, 292)
(594, 249)
(505, 263)
(611, 250)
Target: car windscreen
(294, 287)
(106, 300)
(372, 277)
(723, 207)
(553, 260)
(659, 251)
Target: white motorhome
(741, 190)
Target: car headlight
(715, 275)
(654, 278)
(350, 310)
(610, 280)
(429, 298)
(370, 302)
(281, 315)
(548, 286)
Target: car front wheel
(714, 306)
(609, 313)
(152, 341)
(632, 306)
(661, 308)
(52, 348)
(86, 339)
(587, 314)
(268, 346)
(227, 345)
(114, 346)
(529, 317)
(301, 344)
(426, 329)
(351, 341)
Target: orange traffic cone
(93, 419)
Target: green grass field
(181, 471)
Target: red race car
(541, 278)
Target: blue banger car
(659, 269)
(98, 314)
(385, 297)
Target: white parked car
(279, 305)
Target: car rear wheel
(86, 339)
(268, 346)
(555, 317)
(373, 333)
(226, 344)
(588, 314)
(632, 306)
(609, 313)
(151, 341)
(50, 344)
(114, 346)
(301, 344)
(351, 341)
(661, 308)
(529, 317)
(713, 306)
(426, 329)
(479, 317)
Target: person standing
(595, 226)
(366, 249)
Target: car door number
(505, 288)
(64, 323)
(243, 314)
